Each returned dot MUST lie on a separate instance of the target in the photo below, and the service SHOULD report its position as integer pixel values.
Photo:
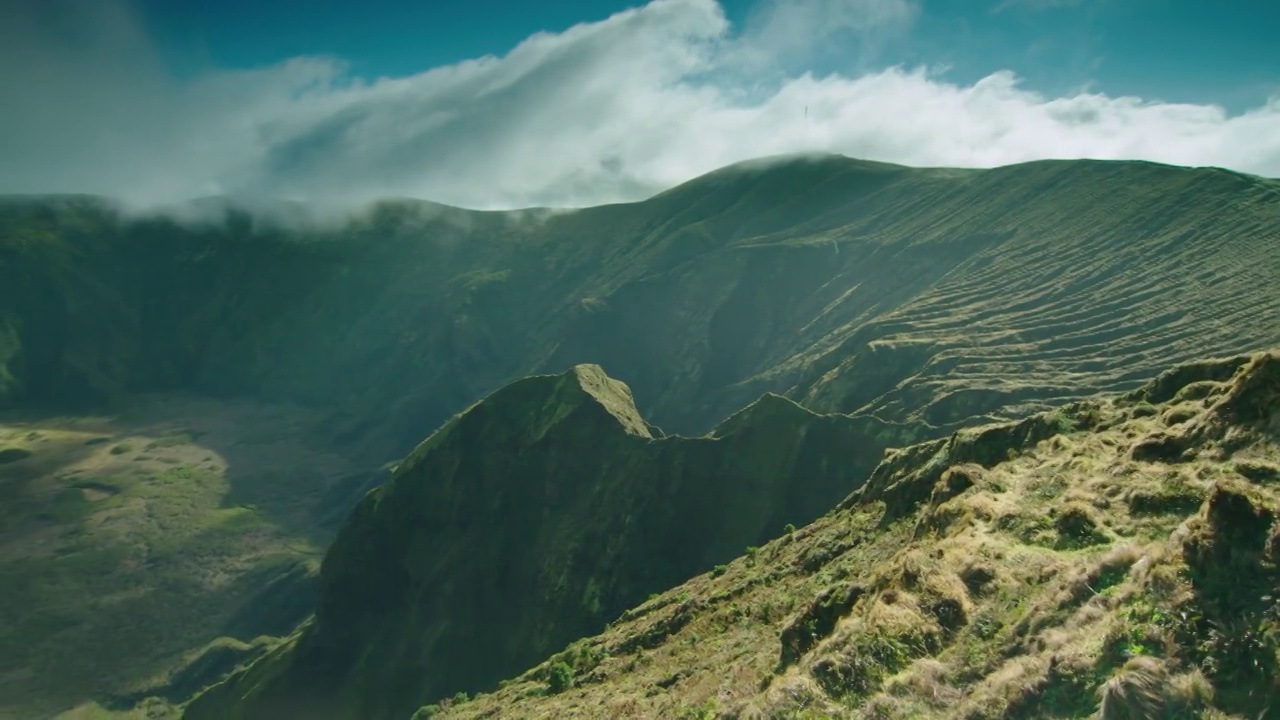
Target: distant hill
(933, 295)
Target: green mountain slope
(939, 295)
(1118, 555)
(528, 521)
(127, 543)
(840, 283)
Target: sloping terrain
(941, 296)
(128, 542)
(934, 295)
(1069, 301)
(528, 521)
(1119, 554)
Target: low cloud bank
(603, 112)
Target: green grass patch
(141, 566)
(70, 506)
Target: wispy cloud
(602, 112)
(778, 30)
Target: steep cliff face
(1113, 558)
(530, 520)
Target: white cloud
(795, 30)
(602, 112)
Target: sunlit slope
(128, 542)
(1109, 272)
(1047, 280)
(925, 293)
(1112, 558)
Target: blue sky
(508, 103)
(1224, 52)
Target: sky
(507, 103)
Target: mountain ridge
(560, 498)
(696, 292)
(1116, 556)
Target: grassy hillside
(1102, 285)
(911, 293)
(129, 542)
(98, 307)
(528, 521)
(1117, 555)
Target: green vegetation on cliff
(1114, 558)
(528, 521)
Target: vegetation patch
(1078, 527)
(115, 570)
(170, 440)
(1144, 688)
(559, 677)
(1258, 471)
(817, 621)
(12, 455)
